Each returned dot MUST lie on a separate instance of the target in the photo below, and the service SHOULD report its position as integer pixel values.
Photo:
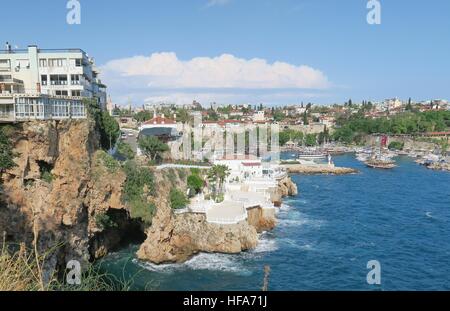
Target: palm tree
(217, 174)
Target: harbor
(326, 234)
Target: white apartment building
(39, 84)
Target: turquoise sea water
(327, 234)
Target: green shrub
(396, 145)
(172, 176)
(6, 150)
(125, 150)
(178, 199)
(137, 179)
(108, 162)
(103, 221)
(47, 177)
(140, 182)
(142, 210)
(195, 183)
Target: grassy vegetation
(125, 150)
(108, 162)
(6, 149)
(21, 270)
(178, 199)
(107, 126)
(140, 183)
(103, 221)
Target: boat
(311, 156)
(381, 164)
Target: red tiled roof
(160, 120)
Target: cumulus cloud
(166, 70)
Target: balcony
(6, 113)
(10, 81)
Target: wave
(202, 261)
(266, 245)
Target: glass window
(44, 79)
(79, 62)
(42, 63)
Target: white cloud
(217, 2)
(166, 70)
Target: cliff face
(54, 194)
(176, 238)
(286, 187)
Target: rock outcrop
(175, 238)
(286, 187)
(57, 190)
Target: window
(44, 79)
(78, 62)
(5, 65)
(42, 63)
(76, 93)
(57, 62)
(58, 79)
(61, 93)
(75, 79)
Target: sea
(325, 238)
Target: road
(131, 138)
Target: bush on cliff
(139, 184)
(178, 199)
(104, 221)
(6, 151)
(107, 126)
(195, 184)
(125, 150)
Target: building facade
(38, 84)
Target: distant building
(259, 116)
(161, 127)
(39, 84)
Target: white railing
(226, 221)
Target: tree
(278, 116)
(6, 152)
(125, 150)
(152, 147)
(305, 118)
(310, 140)
(111, 128)
(217, 174)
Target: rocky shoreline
(176, 238)
(318, 169)
(59, 192)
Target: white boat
(312, 156)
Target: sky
(275, 52)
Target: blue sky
(235, 51)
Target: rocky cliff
(55, 194)
(176, 238)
